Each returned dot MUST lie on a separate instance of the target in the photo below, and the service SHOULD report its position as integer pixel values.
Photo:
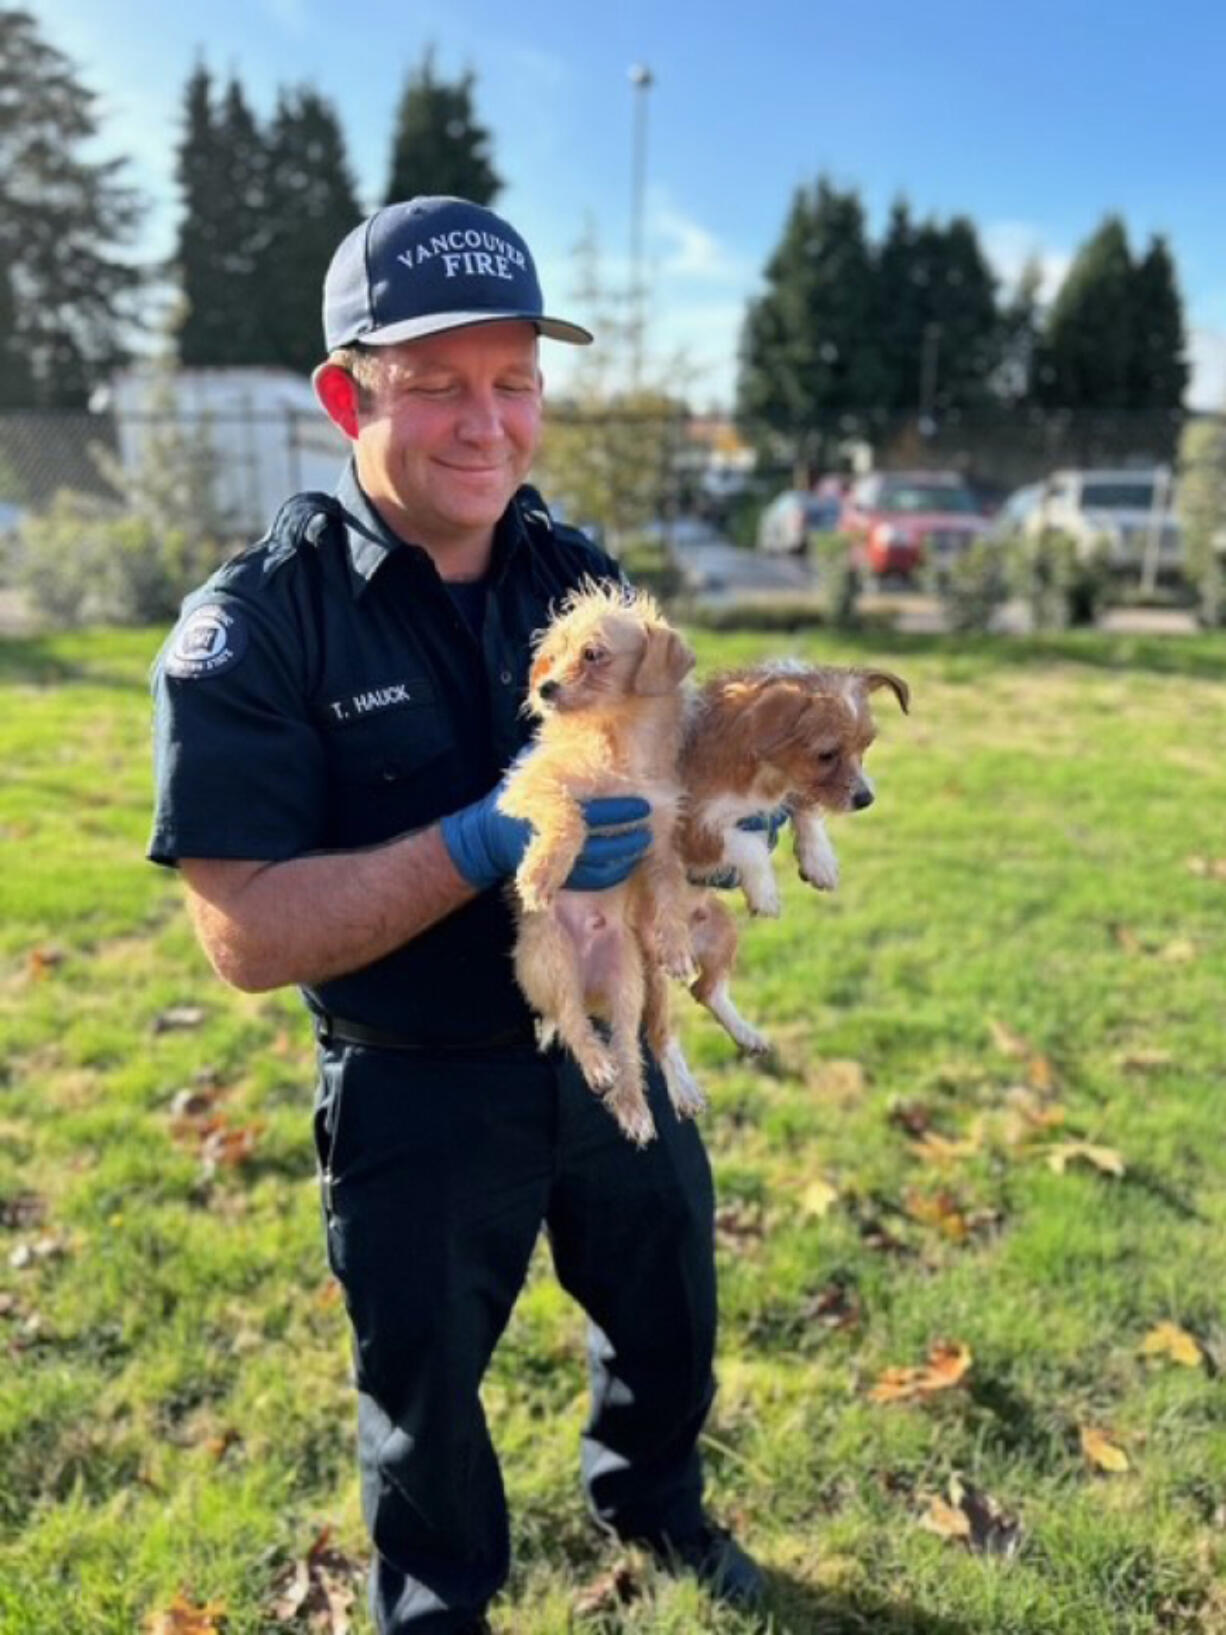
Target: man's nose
(480, 421)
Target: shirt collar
(369, 540)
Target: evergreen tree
(244, 167)
(439, 146)
(1158, 376)
(1088, 338)
(64, 222)
(310, 206)
(203, 332)
(1016, 372)
(811, 368)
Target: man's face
(452, 430)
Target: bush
(86, 561)
(1063, 584)
(1202, 513)
(648, 564)
(973, 587)
(838, 579)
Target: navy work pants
(438, 1175)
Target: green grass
(175, 1412)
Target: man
(334, 712)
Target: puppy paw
(630, 1109)
(765, 904)
(687, 1099)
(599, 1068)
(677, 958)
(752, 1042)
(822, 873)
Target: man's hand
(768, 823)
(487, 846)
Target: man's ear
(665, 663)
(337, 392)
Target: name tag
(367, 701)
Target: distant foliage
(67, 289)
(1202, 514)
(837, 578)
(439, 145)
(973, 587)
(1062, 582)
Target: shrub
(973, 587)
(1202, 514)
(838, 579)
(1063, 583)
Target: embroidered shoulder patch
(211, 639)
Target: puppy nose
(862, 798)
(547, 689)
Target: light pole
(642, 79)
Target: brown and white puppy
(607, 684)
(781, 734)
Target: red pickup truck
(899, 519)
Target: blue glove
(487, 846)
(728, 878)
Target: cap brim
(412, 329)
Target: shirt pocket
(389, 774)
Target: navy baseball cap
(431, 264)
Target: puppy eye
(592, 655)
(828, 756)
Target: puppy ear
(774, 718)
(665, 663)
(873, 679)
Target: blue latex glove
(487, 846)
(770, 823)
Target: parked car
(791, 517)
(1014, 516)
(899, 519)
(1116, 510)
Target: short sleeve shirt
(322, 692)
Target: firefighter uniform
(326, 691)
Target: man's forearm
(316, 917)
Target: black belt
(338, 1030)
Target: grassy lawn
(1026, 959)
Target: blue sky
(1033, 120)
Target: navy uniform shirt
(323, 692)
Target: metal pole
(642, 79)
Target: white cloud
(1207, 355)
(1009, 245)
(692, 251)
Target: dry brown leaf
(218, 1446)
(182, 1618)
(42, 961)
(1126, 937)
(974, 1519)
(739, 1223)
(1007, 1041)
(1101, 1451)
(228, 1145)
(1208, 868)
(947, 1366)
(819, 1198)
(940, 1149)
(914, 1117)
(1041, 1074)
(940, 1209)
(1169, 1340)
(614, 1589)
(1144, 1059)
(22, 1211)
(1068, 1152)
(1180, 951)
(323, 1586)
(836, 1306)
(842, 1082)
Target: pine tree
(64, 222)
(1088, 337)
(1016, 372)
(310, 206)
(811, 368)
(439, 147)
(203, 332)
(244, 166)
(1158, 375)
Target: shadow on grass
(798, 1609)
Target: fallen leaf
(1068, 1152)
(947, 1366)
(218, 1446)
(974, 1519)
(939, 1209)
(228, 1145)
(915, 1117)
(739, 1223)
(323, 1585)
(50, 1247)
(1101, 1451)
(8, 1304)
(1143, 1060)
(836, 1306)
(1007, 1041)
(610, 1591)
(1169, 1340)
(1181, 951)
(819, 1199)
(1126, 938)
(1041, 1074)
(42, 961)
(181, 1618)
(22, 1210)
(940, 1149)
(179, 1016)
(1208, 868)
(193, 1103)
(839, 1081)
